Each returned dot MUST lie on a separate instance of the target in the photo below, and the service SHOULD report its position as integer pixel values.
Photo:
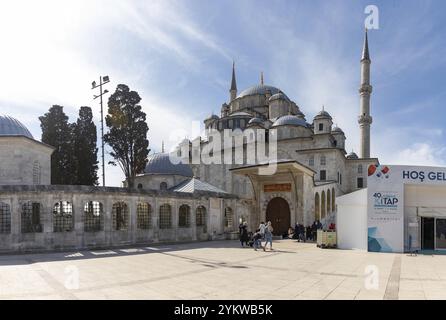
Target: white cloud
(426, 154)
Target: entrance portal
(278, 212)
(427, 233)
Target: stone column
(108, 224)
(78, 213)
(155, 219)
(193, 219)
(16, 215)
(132, 203)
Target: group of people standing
(263, 233)
(302, 233)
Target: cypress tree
(127, 134)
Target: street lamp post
(102, 80)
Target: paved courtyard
(222, 270)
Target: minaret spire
(365, 48)
(365, 90)
(261, 78)
(233, 90)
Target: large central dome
(259, 89)
(12, 127)
(163, 163)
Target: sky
(178, 56)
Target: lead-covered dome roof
(323, 115)
(10, 126)
(352, 155)
(279, 96)
(290, 120)
(165, 163)
(259, 89)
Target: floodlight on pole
(102, 80)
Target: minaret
(233, 90)
(364, 119)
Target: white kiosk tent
(403, 209)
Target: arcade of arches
(324, 204)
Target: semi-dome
(278, 96)
(259, 89)
(240, 114)
(10, 126)
(289, 120)
(323, 115)
(255, 121)
(352, 155)
(165, 163)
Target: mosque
(182, 200)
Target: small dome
(12, 127)
(212, 116)
(259, 89)
(337, 130)
(352, 155)
(323, 115)
(289, 120)
(278, 96)
(255, 121)
(160, 163)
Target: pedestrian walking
(268, 236)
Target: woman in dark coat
(243, 229)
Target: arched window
(5, 218)
(63, 217)
(229, 218)
(36, 172)
(333, 204)
(201, 216)
(323, 204)
(93, 216)
(165, 216)
(144, 215)
(163, 185)
(328, 202)
(120, 216)
(359, 168)
(31, 217)
(317, 207)
(139, 186)
(184, 216)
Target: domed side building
(168, 205)
(313, 167)
(23, 160)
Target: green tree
(85, 150)
(57, 132)
(127, 134)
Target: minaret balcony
(365, 89)
(365, 119)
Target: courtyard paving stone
(221, 270)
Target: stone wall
(17, 198)
(24, 161)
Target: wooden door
(278, 212)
